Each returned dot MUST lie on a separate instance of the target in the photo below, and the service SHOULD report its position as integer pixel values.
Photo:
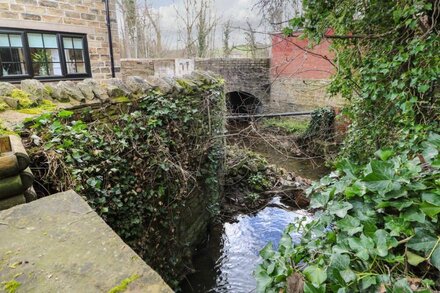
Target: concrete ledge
(59, 244)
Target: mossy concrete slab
(59, 244)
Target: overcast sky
(239, 11)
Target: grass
(287, 125)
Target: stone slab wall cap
(97, 88)
(117, 88)
(35, 88)
(13, 103)
(160, 84)
(70, 90)
(6, 88)
(138, 85)
(12, 202)
(87, 90)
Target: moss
(45, 106)
(124, 284)
(11, 286)
(48, 90)
(122, 99)
(3, 106)
(23, 98)
(288, 125)
(5, 131)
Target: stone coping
(59, 244)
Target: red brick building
(300, 74)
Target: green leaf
(309, 288)
(413, 215)
(429, 209)
(414, 259)
(350, 224)
(267, 252)
(319, 200)
(384, 154)
(340, 261)
(381, 237)
(340, 209)
(362, 246)
(357, 189)
(315, 275)
(435, 258)
(422, 241)
(431, 198)
(348, 275)
(367, 282)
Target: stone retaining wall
(291, 94)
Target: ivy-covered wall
(151, 166)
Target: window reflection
(12, 58)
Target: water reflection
(227, 263)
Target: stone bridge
(247, 81)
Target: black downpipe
(110, 38)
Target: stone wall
(74, 16)
(242, 75)
(290, 94)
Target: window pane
(71, 68)
(50, 41)
(5, 55)
(40, 69)
(78, 43)
(4, 41)
(81, 67)
(70, 55)
(17, 54)
(15, 40)
(68, 44)
(35, 40)
(79, 56)
(54, 69)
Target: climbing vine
(139, 164)
(376, 223)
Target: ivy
(376, 225)
(139, 164)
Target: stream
(227, 261)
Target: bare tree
(251, 40)
(277, 12)
(140, 29)
(199, 24)
(227, 31)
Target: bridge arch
(241, 102)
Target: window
(43, 55)
(74, 51)
(12, 56)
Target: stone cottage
(53, 40)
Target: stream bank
(264, 192)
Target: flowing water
(231, 254)
(226, 264)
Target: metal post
(110, 39)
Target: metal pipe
(110, 38)
(270, 115)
